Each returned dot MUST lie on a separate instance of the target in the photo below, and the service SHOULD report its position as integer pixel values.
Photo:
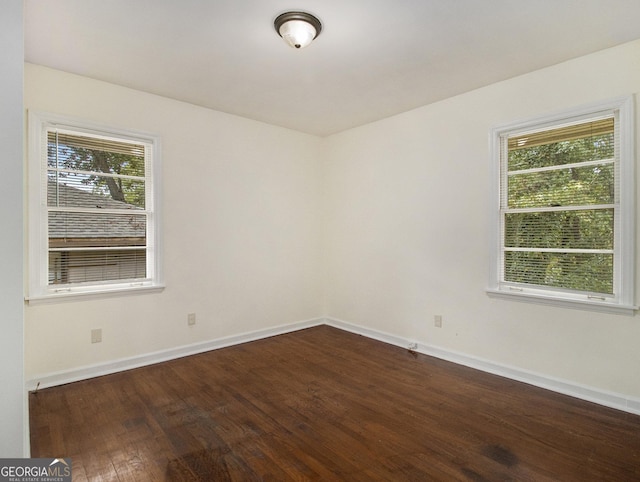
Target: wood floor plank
(324, 404)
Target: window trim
(38, 289)
(622, 302)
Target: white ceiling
(373, 59)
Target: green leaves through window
(558, 201)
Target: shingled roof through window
(96, 225)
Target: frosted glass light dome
(298, 29)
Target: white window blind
(97, 225)
(558, 207)
(564, 220)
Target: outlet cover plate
(96, 335)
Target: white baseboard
(91, 371)
(601, 397)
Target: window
(93, 218)
(564, 222)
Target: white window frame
(622, 300)
(38, 288)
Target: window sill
(587, 305)
(93, 294)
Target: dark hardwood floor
(324, 404)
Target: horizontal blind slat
(567, 133)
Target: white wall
(240, 209)
(407, 230)
(383, 226)
(12, 400)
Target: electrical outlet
(437, 321)
(191, 319)
(96, 335)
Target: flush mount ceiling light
(297, 28)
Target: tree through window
(559, 207)
(565, 208)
